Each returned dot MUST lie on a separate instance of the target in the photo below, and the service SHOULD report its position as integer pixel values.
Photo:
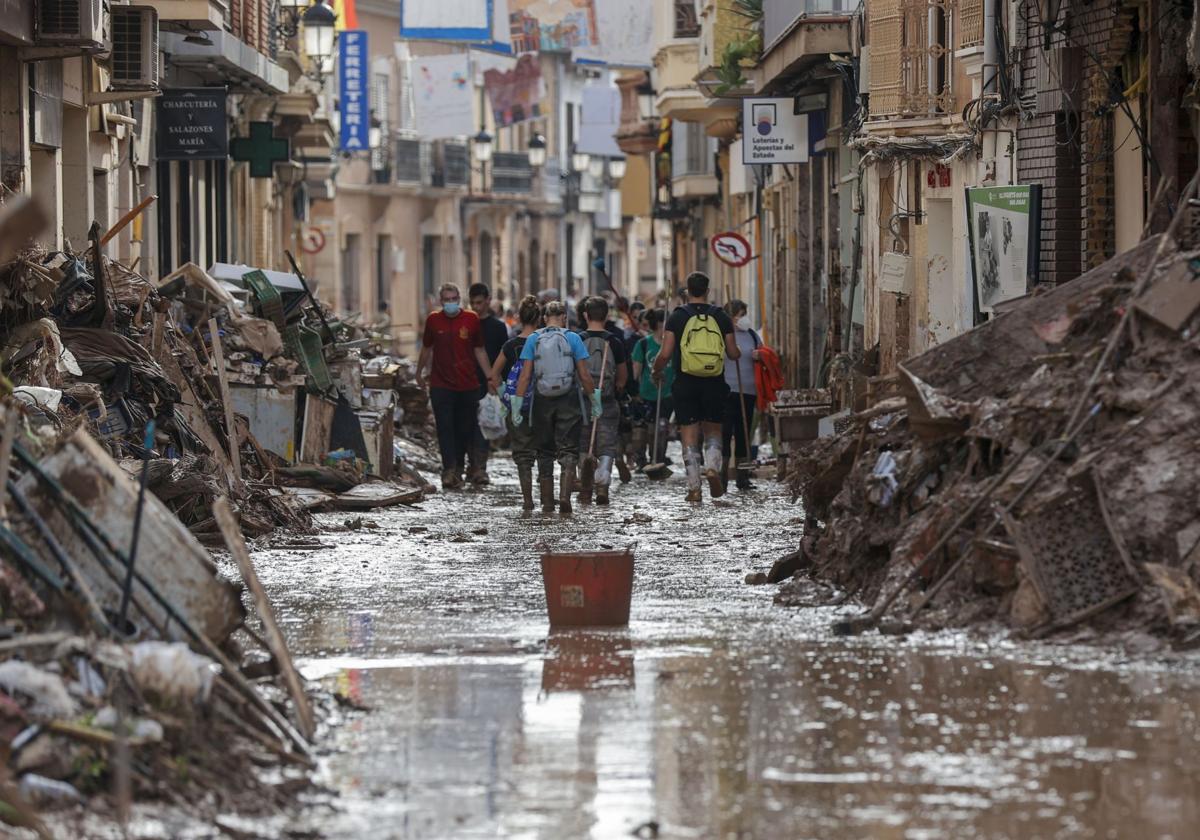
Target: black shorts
(699, 399)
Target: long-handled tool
(587, 476)
(657, 471)
(127, 589)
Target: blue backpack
(510, 384)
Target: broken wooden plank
(266, 613)
(318, 424)
(173, 562)
(223, 383)
(377, 495)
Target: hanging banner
(442, 96)
(467, 21)
(773, 132)
(515, 94)
(624, 34)
(354, 101)
(190, 124)
(599, 119)
(552, 25)
(1005, 224)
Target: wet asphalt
(715, 714)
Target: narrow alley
(716, 714)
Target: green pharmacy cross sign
(262, 149)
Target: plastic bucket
(588, 588)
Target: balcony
(693, 162)
(913, 65)
(511, 173)
(426, 163)
(801, 33)
(225, 58)
(676, 65)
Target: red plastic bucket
(588, 588)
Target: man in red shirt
(452, 349)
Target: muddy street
(716, 714)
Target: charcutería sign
(191, 125)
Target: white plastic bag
(491, 417)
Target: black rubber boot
(566, 487)
(525, 474)
(546, 490)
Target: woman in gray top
(741, 393)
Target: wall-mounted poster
(515, 94)
(468, 21)
(1005, 225)
(624, 34)
(552, 25)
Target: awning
(281, 280)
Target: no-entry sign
(731, 248)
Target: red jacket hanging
(768, 377)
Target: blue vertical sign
(354, 101)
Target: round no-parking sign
(731, 248)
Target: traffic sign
(731, 248)
(312, 240)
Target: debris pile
(1034, 472)
(141, 422)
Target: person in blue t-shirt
(555, 365)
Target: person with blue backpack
(505, 372)
(555, 365)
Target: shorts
(699, 399)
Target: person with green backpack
(606, 362)
(555, 365)
(698, 338)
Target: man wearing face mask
(452, 349)
(742, 393)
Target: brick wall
(1067, 145)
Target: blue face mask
(451, 308)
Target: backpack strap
(757, 340)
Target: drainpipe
(989, 47)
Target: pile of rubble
(141, 422)
(1032, 473)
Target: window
(485, 259)
(687, 22)
(350, 266)
(429, 267)
(911, 57)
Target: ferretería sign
(190, 124)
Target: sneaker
(716, 487)
(694, 496)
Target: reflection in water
(715, 714)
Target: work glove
(517, 404)
(597, 404)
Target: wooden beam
(218, 355)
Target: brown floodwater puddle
(715, 714)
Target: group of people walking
(594, 398)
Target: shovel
(657, 472)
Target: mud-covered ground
(716, 714)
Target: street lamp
(482, 144)
(580, 161)
(319, 33)
(595, 166)
(537, 151)
(616, 168)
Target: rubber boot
(604, 478)
(623, 471)
(567, 485)
(712, 467)
(743, 479)
(525, 474)
(639, 446)
(691, 461)
(546, 490)
(725, 474)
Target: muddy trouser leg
(586, 468)
(542, 439)
(524, 453)
(607, 439)
(568, 418)
(731, 424)
(466, 416)
(442, 400)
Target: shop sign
(354, 101)
(773, 133)
(191, 124)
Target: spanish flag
(347, 15)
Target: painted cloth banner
(442, 105)
(1004, 223)
(354, 101)
(516, 94)
(624, 34)
(468, 21)
(552, 25)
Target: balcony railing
(430, 163)
(970, 23)
(912, 69)
(511, 173)
(780, 15)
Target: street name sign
(772, 132)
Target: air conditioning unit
(134, 59)
(72, 23)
